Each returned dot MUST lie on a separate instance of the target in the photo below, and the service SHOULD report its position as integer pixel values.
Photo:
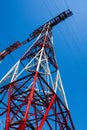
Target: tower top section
(54, 21)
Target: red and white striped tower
(32, 96)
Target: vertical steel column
(30, 98)
(46, 113)
(9, 107)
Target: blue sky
(18, 18)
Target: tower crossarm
(54, 21)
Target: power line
(46, 5)
(81, 62)
(79, 31)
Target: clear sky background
(18, 18)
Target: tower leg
(9, 107)
(46, 114)
(30, 98)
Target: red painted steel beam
(47, 111)
(18, 110)
(8, 108)
(30, 98)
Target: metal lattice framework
(32, 94)
(54, 21)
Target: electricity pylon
(32, 96)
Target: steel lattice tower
(32, 96)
